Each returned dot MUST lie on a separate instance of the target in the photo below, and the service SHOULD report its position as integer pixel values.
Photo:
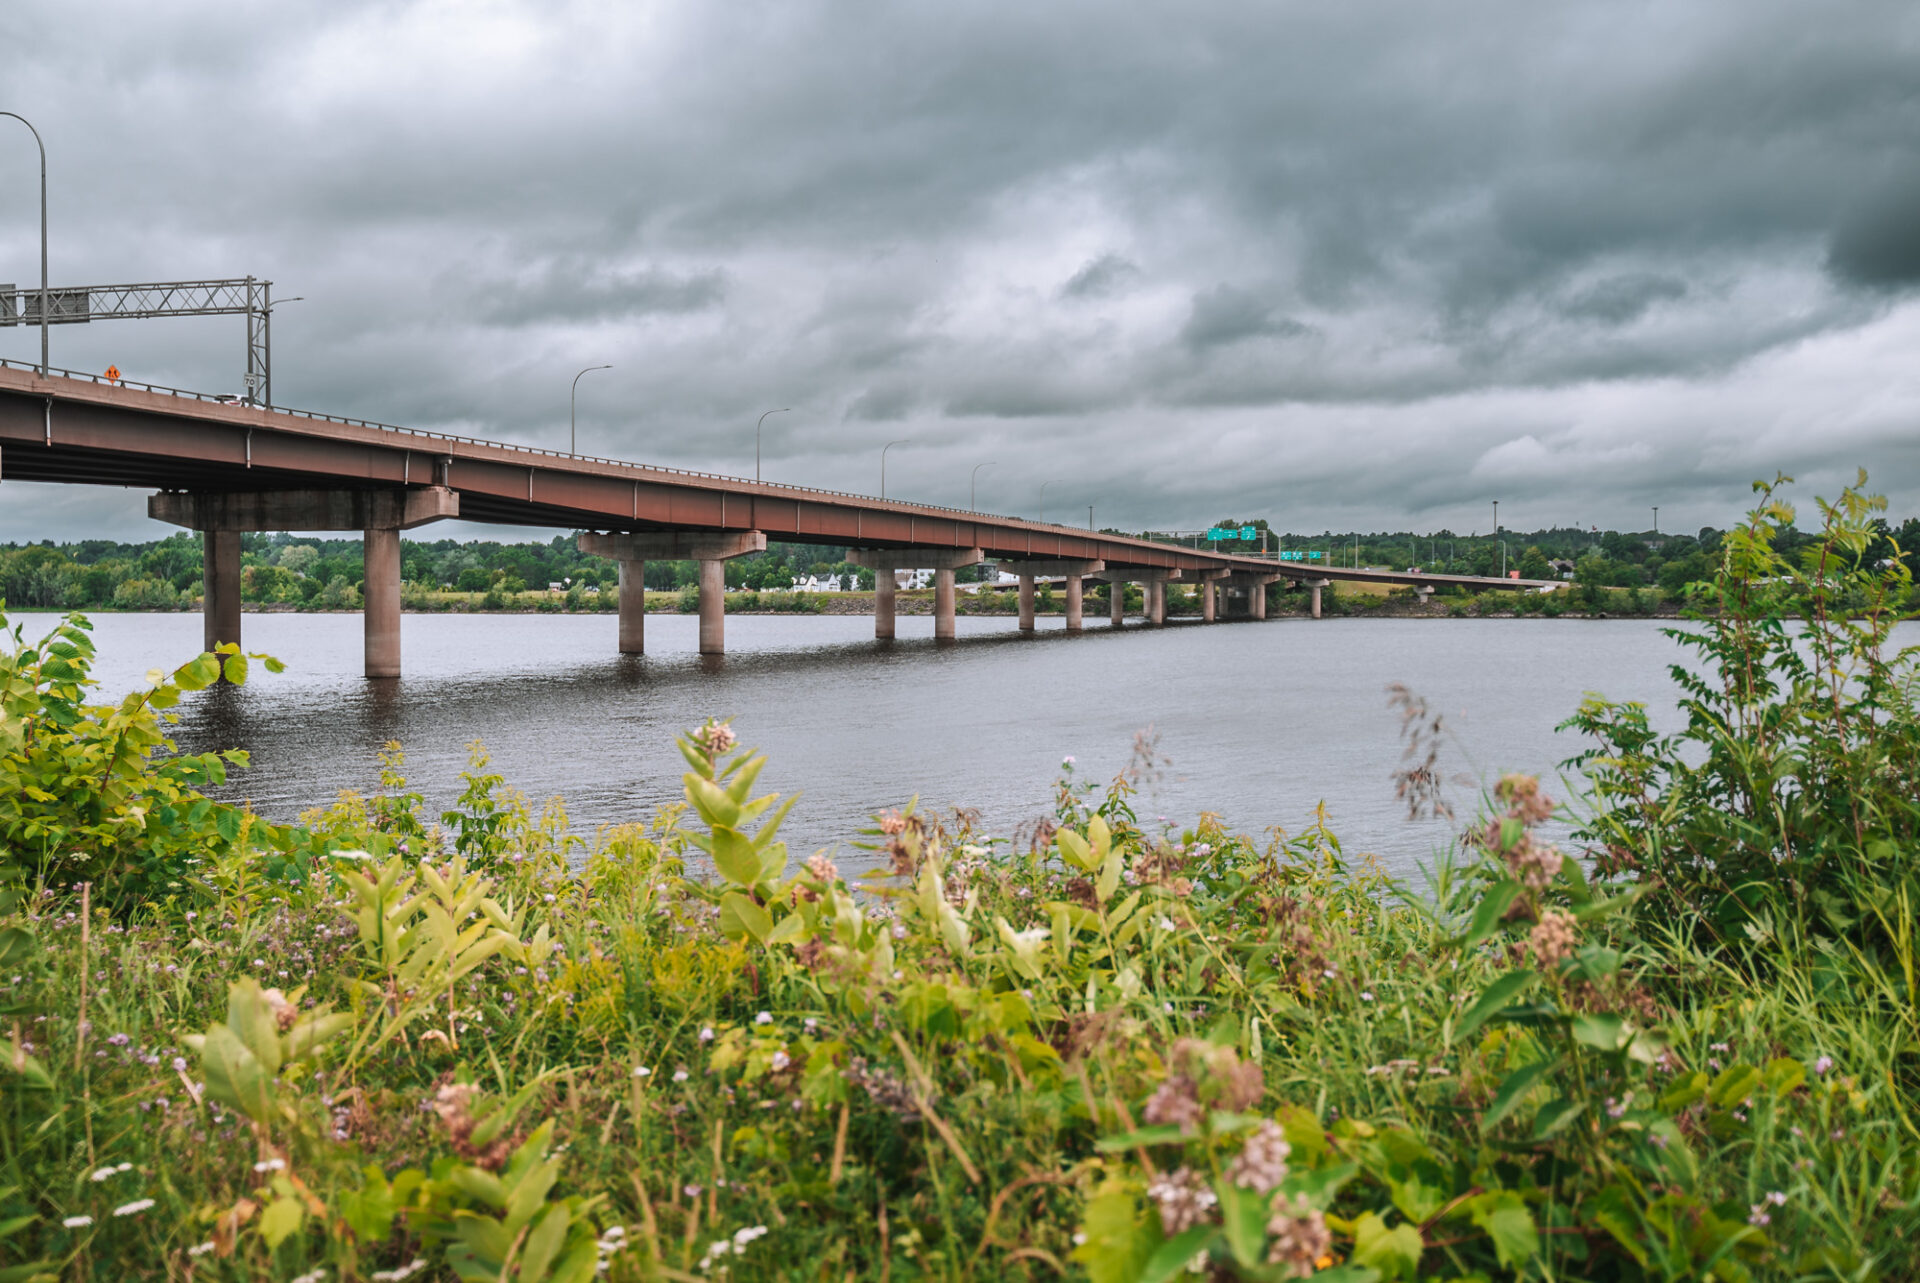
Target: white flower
(399, 1272)
(270, 1165)
(109, 1171)
(1165, 924)
(1366, 995)
(134, 1208)
(764, 1018)
(743, 1237)
(200, 1249)
(312, 1276)
(77, 1222)
(706, 1035)
(641, 1071)
(680, 1075)
(781, 1060)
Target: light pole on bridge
(883, 462)
(1656, 520)
(973, 484)
(44, 318)
(756, 439)
(1043, 498)
(573, 438)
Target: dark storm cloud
(1343, 262)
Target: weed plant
(381, 1045)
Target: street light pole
(1043, 498)
(43, 235)
(756, 439)
(572, 437)
(1089, 517)
(1656, 519)
(973, 484)
(883, 462)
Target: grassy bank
(381, 1044)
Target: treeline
(303, 570)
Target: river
(1257, 721)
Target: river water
(1257, 721)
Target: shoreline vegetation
(380, 1044)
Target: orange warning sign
(113, 374)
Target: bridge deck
(79, 429)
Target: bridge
(223, 467)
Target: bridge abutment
(379, 515)
(711, 549)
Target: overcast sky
(1339, 264)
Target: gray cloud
(1196, 258)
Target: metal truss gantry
(244, 296)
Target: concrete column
(1316, 599)
(380, 594)
(1116, 602)
(943, 605)
(1076, 598)
(220, 612)
(1257, 601)
(1206, 601)
(883, 594)
(1157, 603)
(713, 607)
(1026, 603)
(633, 607)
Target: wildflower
(312, 1276)
(1366, 995)
(641, 1071)
(680, 1075)
(899, 932)
(201, 1249)
(693, 1191)
(780, 1061)
(1067, 760)
(1822, 1064)
(270, 1165)
(716, 738)
(764, 1018)
(706, 1034)
(1553, 937)
(810, 1024)
(77, 1222)
(821, 867)
(1300, 1236)
(1183, 1199)
(1262, 1161)
(399, 1272)
(1165, 924)
(1175, 1102)
(134, 1208)
(109, 1171)
(1758, 1215)
(119, 1040)
(743, 1237)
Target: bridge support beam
(1255, 583)
(711, 549)
(942, 561)
(220, 608)
(1026, 603)
(380, 516)
(1074, 572)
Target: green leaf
(1491, 911)
(1075, 850)
(198, 674)
(1165, 1134)
(236, 669)
(1243, 1214)
(1735, 1084)
(1601, 1032)
(1512, 1092)
(1117, 1245)
(1784, 1077)
(1394, 1252)
(734, 856)
(282, 1217)
(1683, 1092)
(1504, 1216)
(1555, 1117)
(1497, 996)
(1597, 962)
(716, 807)
(741, 916)
(1170, 1261)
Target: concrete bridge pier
(942, 561)
(380, 516)
(1255, 584)
(1212, 593)
(1317, 585)
(1074, 572)
(220, 573)
(712, 549)
(1117, 602)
